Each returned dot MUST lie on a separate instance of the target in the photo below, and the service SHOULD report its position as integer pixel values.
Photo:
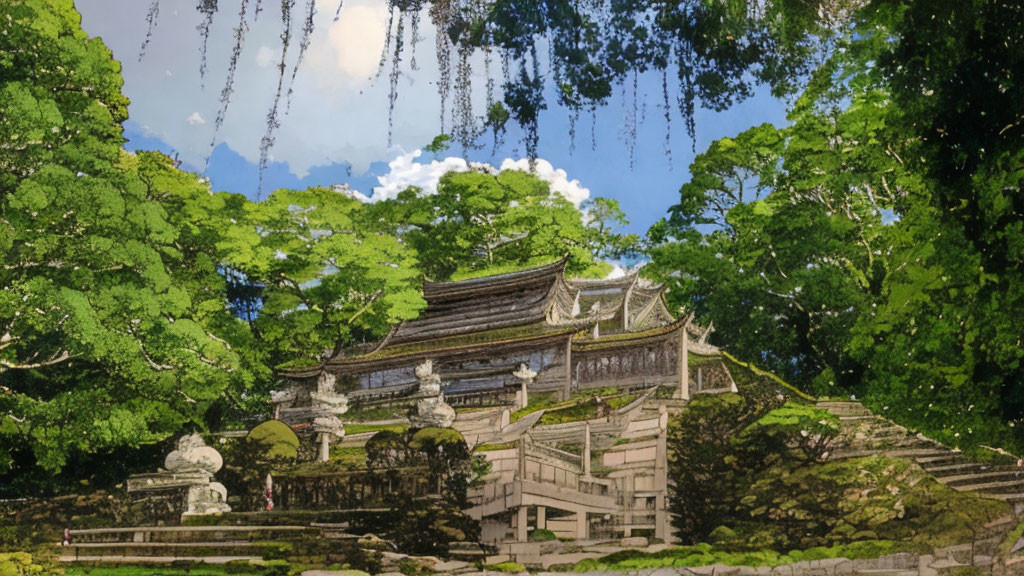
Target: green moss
(584, 408)
(343, 459)
(363, 428)
(374, 414)
(508, 567)
(706, 554)
(1011, 540)
(496, 336)
(539, 402)
(737, 367)
(435, 436)
(492, 447)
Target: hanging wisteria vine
(395, 72)
(307, 35)
(718, 52)
(229, 81)
(273, 121)
(207, 8)
(151, 15)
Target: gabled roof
(514, 309)
(629, 302)
(488, 303)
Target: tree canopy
(879, 255)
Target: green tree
(602, 217)
(327, 282)
(112, 327)
(480, 223)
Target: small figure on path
(269, 493)
(67, 536)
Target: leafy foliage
(877, 257)
(480, 223)
(326, 282)
(106, 303)
(751, 479)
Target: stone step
(943, 470)
(892, 442)
(977, 477)
(898, 453)
(162, 559)
(888, 431)
(987, 546)
(947, 457)
(840, 405)
(993, 487)
(217, 544)
(850, 411)
(196, 549)
(155, 534)
(1012, 497)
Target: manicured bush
(542, 535)
(275, 440)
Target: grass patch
(508, 567)
(734, 363)
(1011, 540)
(539, 402)
(583, 409)
(198, 570)
(373, 414)
(706, 555)
(492, 447)
(343, 459)
(542, 535)
(358, 428)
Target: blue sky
(336, 129)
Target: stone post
(542, 520)
(581, 525)
(525, 377)
(684, 363)
(325, 447)
(522, 534)
(586, 449)
(661, 528)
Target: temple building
(575, 334)
(606, 358)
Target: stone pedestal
(525, 377)
(431, 409)
(317, 411)
(189, 468)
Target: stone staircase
(865, 434)
(171, 544)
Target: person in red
(269, 493)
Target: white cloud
(195, 119)
(617, 272)
(571, 190)
(357, 39)
(266, 57)
(405, 172)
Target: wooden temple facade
(575, 334)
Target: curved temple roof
(528, 304)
